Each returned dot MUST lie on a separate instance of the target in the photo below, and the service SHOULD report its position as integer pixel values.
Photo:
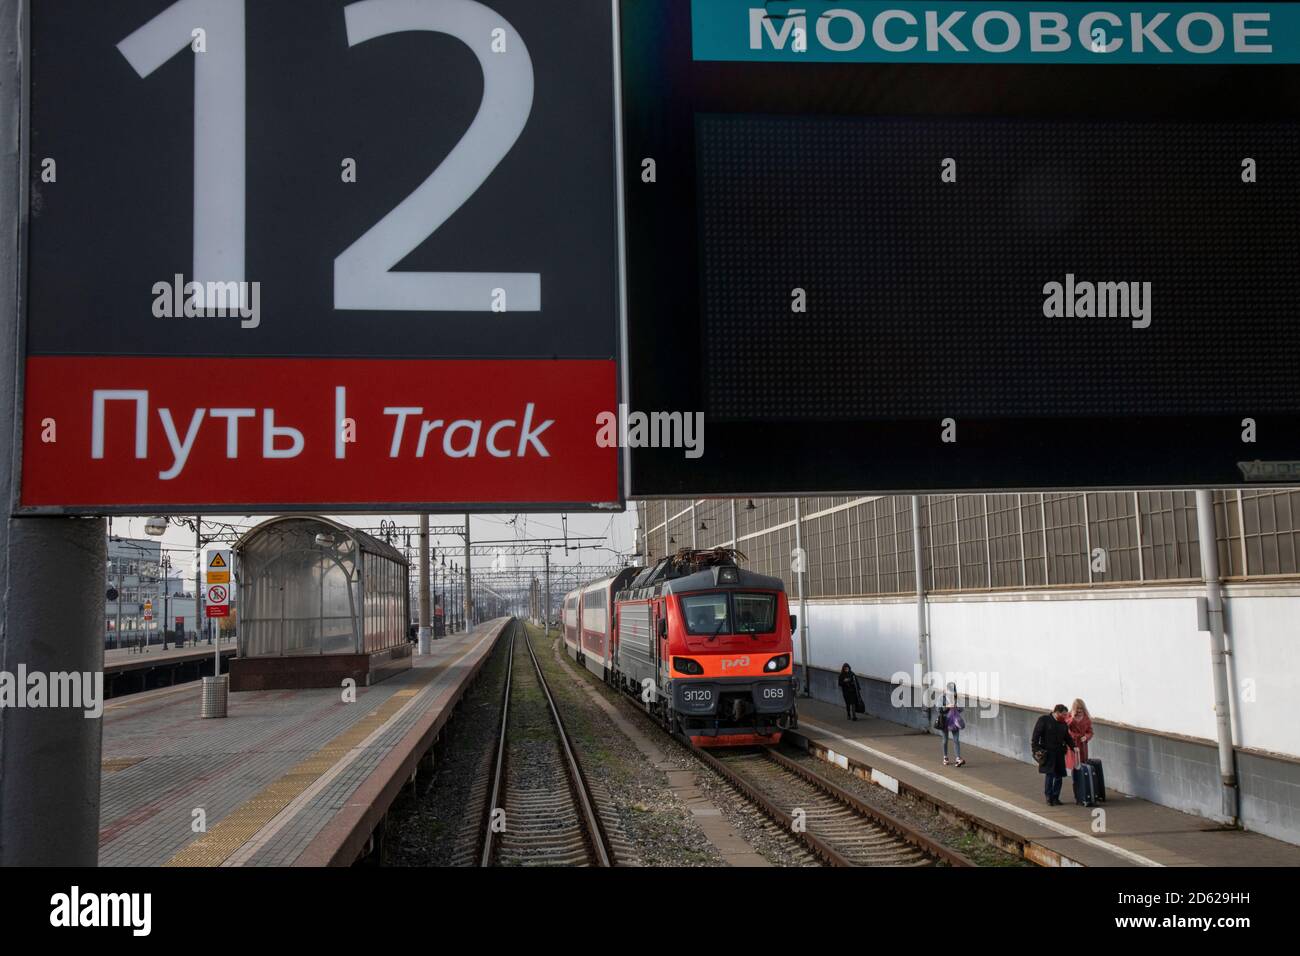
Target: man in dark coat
(1051, 739)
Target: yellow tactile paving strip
(242, 824)
(113, 764)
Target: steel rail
(913, 836)
(498, 774)
(577, 781)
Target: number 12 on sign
(214, 30)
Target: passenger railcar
(592, 644)
(570, 622)
(704, 643)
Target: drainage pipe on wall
(800, 561)
(922, 636)
(1218, 652)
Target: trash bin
(215, 695)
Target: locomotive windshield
(706, 613)
(755, 613)
(724, 612)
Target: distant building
(138, 569)
(133, 573)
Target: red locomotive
(703, 642)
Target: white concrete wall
(1133, 654)
(1264, 638)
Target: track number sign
(321, 254)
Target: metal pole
(1218, 651)
(803, 602)
(424, 584)
(198, 592)
(1047, 564)
(735, 542)
(1087, 537)
(52, 614)
(1241, 527)
(52, 573)
(166, 600)
(547, 613)
(922, 638)
(956, 530)
(469, 600)
(119, 602)
(1020, 540)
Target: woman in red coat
(1080, 731)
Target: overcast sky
(615, 531)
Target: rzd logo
(732, 662)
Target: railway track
(540, 809)
(836, 825)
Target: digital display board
(921, 247)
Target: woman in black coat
(1050, 741)
(849, 688)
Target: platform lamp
(156, 527)
(165, 566)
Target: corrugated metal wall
(863, 546)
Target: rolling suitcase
(1085, 785)
(1099, 780)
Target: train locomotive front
(707, 645)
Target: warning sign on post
(217, 592)
(218, 567)
(148, 610)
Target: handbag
(941, 721)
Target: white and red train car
(707, 645)
(590, 639)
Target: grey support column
(52, 576)
(51, 622)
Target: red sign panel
(218, 600)
(159, 434)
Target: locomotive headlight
(687, 666)
(778, 663)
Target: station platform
(122, 659)
(128, 671)
(1002, 798)
(288, 778)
